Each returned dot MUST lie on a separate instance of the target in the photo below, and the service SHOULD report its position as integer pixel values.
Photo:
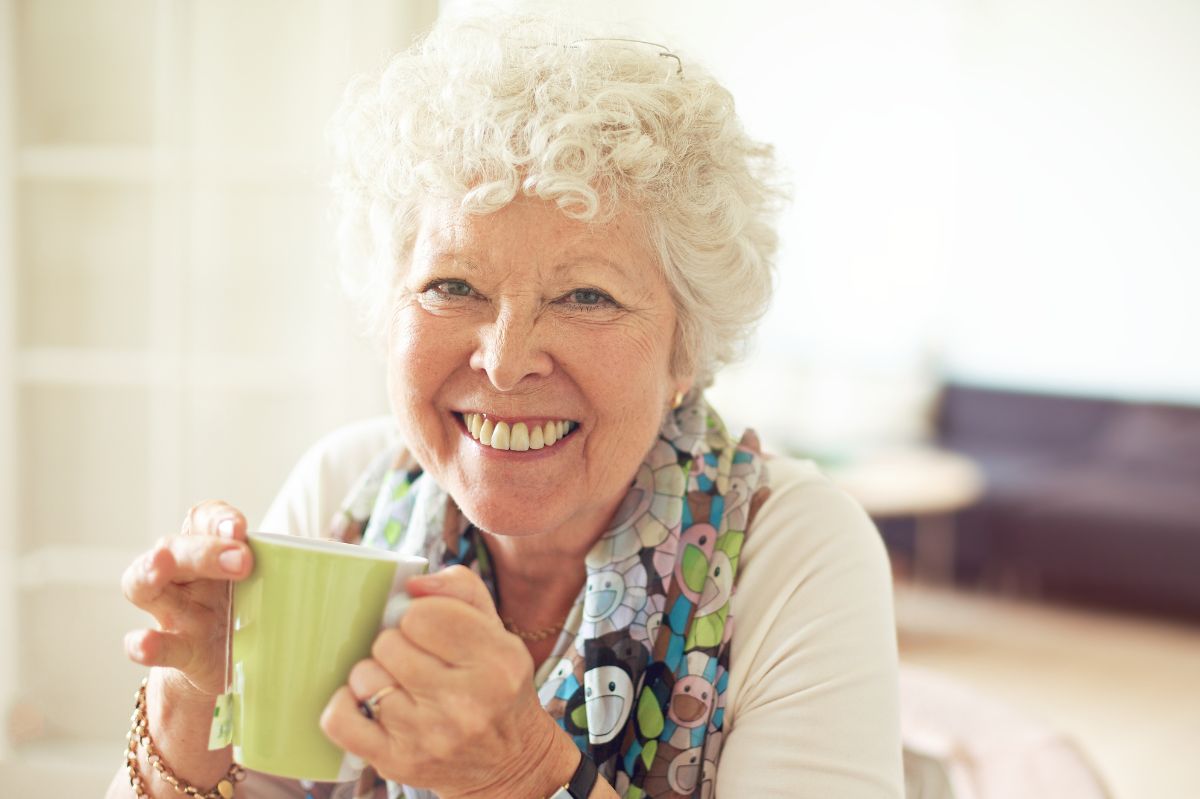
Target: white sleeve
(813, 695)
(319, 482)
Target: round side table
(925, 483)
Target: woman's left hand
(465, 720)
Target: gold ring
(370, 708)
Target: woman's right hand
(183, 582)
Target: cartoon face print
(692, 427)
(554, 681)
(649, 513)
(737, 504)
(708, 775)
(724, 464)
(631, 654)
(708, 780)
(684, 772)
(605, 590)
(691, 701)
(645, 626)
(608, 696)
(616, 648)
(613, 597)
(636, 500)
(718, 584)
(691, 568)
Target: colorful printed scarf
(638, 675)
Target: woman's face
(520, 318)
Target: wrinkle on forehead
(446, 233)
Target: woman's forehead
(533, 231)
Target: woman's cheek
(411, 384)
(629, 354)
(417, 342)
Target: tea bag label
(220, 735)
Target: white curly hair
(481, 110)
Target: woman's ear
(682, 387)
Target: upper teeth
(519, 436)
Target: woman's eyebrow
(461, 259)
(581, 260)
(456, 257)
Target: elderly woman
(558, 239)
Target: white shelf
(60, 366)
(73, 753)
(118, 164)
(224, 167)
(63, 767)
(144, 165)
(55, 366)
(81, 566)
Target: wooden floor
(1126, 688)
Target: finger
(457, 582)
(347, 727)
(159, 648)
(414, 668)
(451, 630)
(214, 517)
(155, 594)
(144, 580)
(368, 678)
(150, 583)
(201, 557)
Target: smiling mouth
(516, 436)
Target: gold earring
(678, 400)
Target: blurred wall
(170, 323)
(1076, 243)
(1001, 193)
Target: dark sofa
(1087, 499)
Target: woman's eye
(443, 289)
(455, 288)
(588, 298)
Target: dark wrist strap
(584, 778)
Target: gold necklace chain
(530, 635)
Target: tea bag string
(220, 731)
(226, 685)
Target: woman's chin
(510, 519)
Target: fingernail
(232, 560)
(427, 580)
(225, 528)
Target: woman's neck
(539, 577)
(536, 571)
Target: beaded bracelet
(139, 735)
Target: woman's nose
(510, 351)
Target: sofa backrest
(971, 418)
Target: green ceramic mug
(307, 613)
